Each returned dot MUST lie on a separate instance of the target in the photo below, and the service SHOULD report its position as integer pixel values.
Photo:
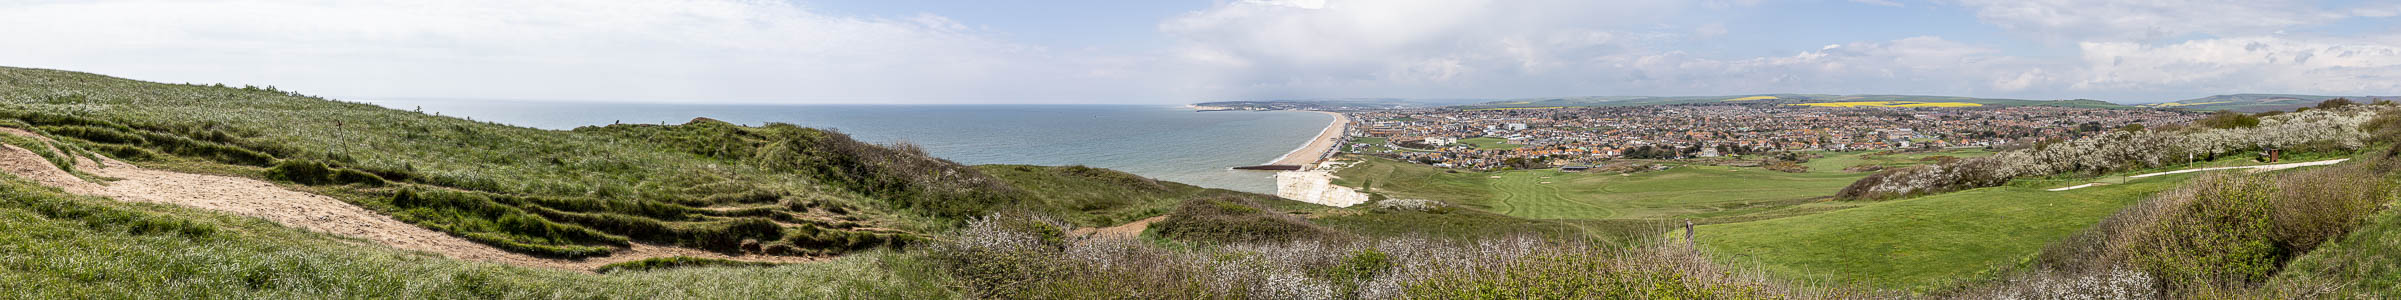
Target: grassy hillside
(59, 246)
(704, 184)
(1095, 197)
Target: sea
(1172, 143)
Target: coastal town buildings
(1582, 135)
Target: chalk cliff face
(1316, 186)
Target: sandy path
(1317, 148)
(2262, 168)
(254, 198)
(1122, 231)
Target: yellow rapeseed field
(1893, 104)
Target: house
(1441, 141)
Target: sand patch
(1129, 230)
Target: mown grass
(59, 246)
(1923, 242)
(1489, 143)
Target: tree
(2225, 119)
(2335, 103)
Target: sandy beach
(1325, 141)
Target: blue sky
(921, 51)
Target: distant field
(1490, 143)
(1893, 104)
(1753, 98)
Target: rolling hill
(2252, 103)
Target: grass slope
(1095, 197)
(704, 184)
(1923, 242)
(59, 246)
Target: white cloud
(2147, 20)
(2262, 64)
(1421, 48)
(1878, 2)
(614, 50)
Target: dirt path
(2261, 168)
(254, 198)
(1128, 230)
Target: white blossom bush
(1017, 257)
(2338, 129)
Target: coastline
(1318, 146)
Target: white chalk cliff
(1316, 186)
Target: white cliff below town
(1316, 186)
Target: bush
(2220, 232)
(1235, 220)
(676, 262)
(301, 172)
(2227, 119)
(314, 173)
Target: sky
(1172, 52)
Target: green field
(1923, 242)
(1492, 143)
(1783, 223)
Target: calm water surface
(1165, 142)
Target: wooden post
(1688, 234)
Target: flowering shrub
(1016, 257)
(2314, 130)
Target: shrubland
(1027, 257)
(2233, 236)
(2324, 131)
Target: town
(1486, 139)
